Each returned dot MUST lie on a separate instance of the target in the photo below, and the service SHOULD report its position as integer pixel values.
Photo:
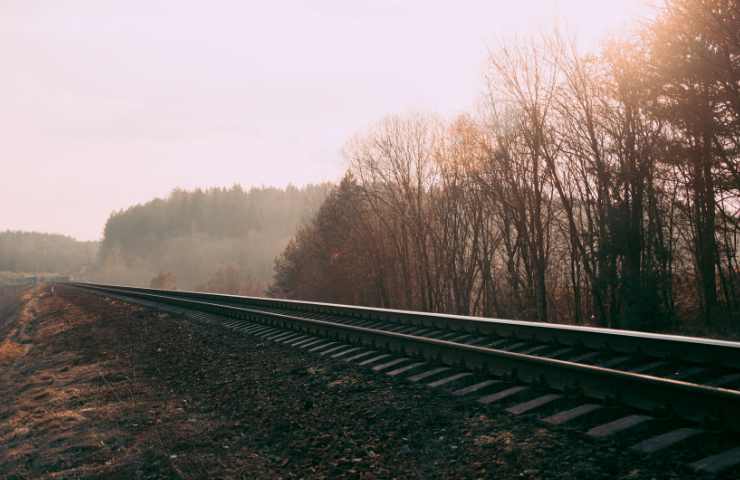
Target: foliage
(231, 280)
(591, 189)
(321, 262)
(43, 252)
(164, 281)
(197, 234)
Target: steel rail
(671, 347)
(687, 400)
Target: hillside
(34, 252)
(222, 239)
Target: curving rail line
(693, 378)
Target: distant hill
(223, 239)
(32, 252)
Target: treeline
(219, 239)
(591, 189)
(34, 252)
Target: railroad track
(658, 392)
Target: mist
(107, 105)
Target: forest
(34, 252)
(593, 189)
(217, 239)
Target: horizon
(112, 106)
(245, 188)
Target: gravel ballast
(171, 398)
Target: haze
(105, 106)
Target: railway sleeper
(464, 377)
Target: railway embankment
(97, 388)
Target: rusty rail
(692, 401)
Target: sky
(107, 104)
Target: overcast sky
(106, 104)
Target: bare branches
(594, 189)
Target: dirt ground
(93, 388)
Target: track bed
(111, 390)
